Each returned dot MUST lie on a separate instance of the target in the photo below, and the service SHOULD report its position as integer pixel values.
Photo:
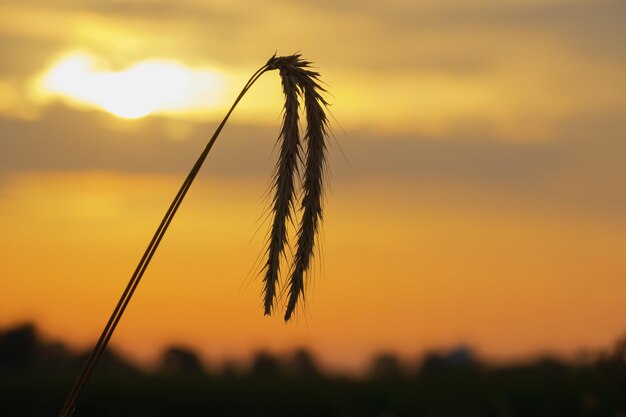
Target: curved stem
(107, 332)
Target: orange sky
(482, 203)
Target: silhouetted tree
(179, 361)
(619, 352)
(302, 364)
(265, 364)
(459, 358)
(386, 366)
(18, 346)
(229, 369)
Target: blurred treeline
(36, 375)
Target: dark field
(35, 377)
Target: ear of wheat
(299, 83)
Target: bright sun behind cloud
(144, 88)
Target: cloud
(65, 139)
(523, 67)
(574, 169)
(24, 56)
(519, 96)
(379, 34)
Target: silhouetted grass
(298, 81)
(445, 384)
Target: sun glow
(144, 88)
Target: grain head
(299, 83)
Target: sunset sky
(481, 199)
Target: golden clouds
(515, 71)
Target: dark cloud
(593, 26)
(65, 139)
(573, 168)
(402, 35)
(470, 33)
(468, 159)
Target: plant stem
(83, 377)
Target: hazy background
(483, 202)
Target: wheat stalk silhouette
(298, 159)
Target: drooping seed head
(284, 190)
(298, 82)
